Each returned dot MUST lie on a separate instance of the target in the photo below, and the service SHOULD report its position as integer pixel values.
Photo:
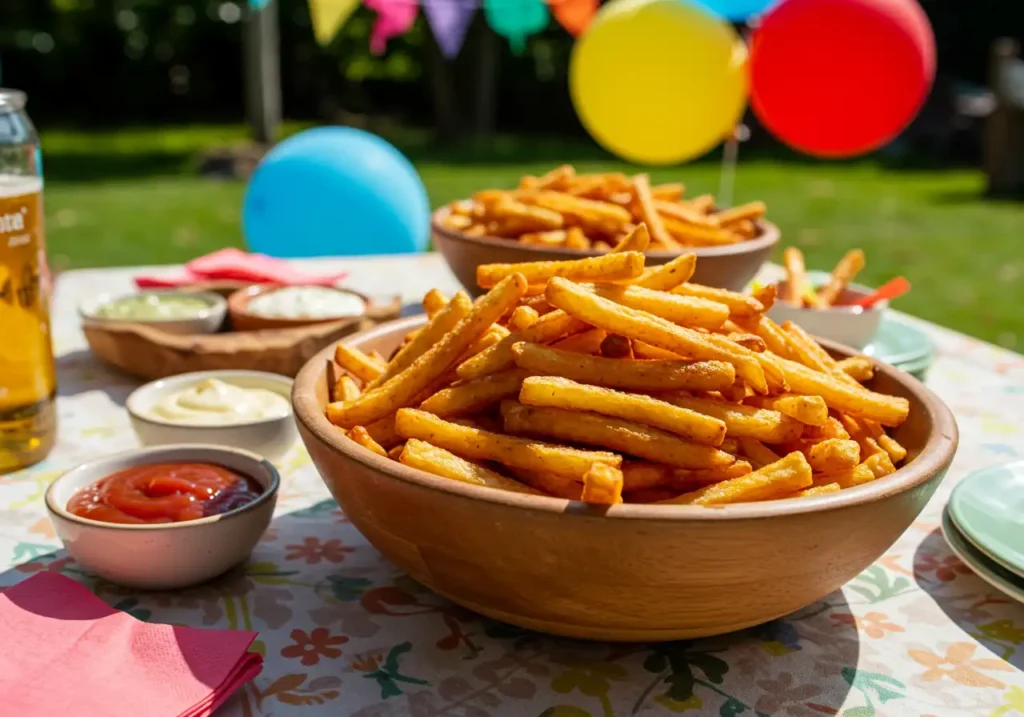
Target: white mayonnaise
(306, 302)
(215, 403)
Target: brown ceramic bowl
(242, 319)
(726, 267)
(632, 572)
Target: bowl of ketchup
(165, 517)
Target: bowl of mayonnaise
(267, 306)
(245, 409)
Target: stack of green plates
(984, 525)
(902, 345)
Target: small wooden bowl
(630, 572)
(728, 267)
(244, 320)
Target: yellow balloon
(658, 81)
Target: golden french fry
(774, 337)
(742, 421)
(682, 213)
(357, 363)
(496, 333)
(643, 350)
(806, 350)
(684, 310)
(457, 221)
(845, 272)
(557, 178)
(775, 480)
(538, 304)
(360, 435)
(475, 395)
(433, 302)
(477, 230)
(563, 393)
(892, 447)
(810, 410)
(585, 342)
(669, 275)
(507, 450)
(499, 357)
(859, 368)
(740, 305)
(693, 234)
(765, 294)
(383, 432)
(845, 398)
(610, 267)
(797, 285)
(602, 485)
(526, 218)
(629, 437)
(703, 203)
(555, 237)
(757, 453)
(636, 324)
(744, 212)
(395, 453)
(403, 388)
(522, 318)
(641, 475)
(420, 454)
(624, 375)
(442, 322)
(346, 389)
(559, 486)
(879, 464)
(670, 192)
(750, 342)
(576, 239)
(833, 455)
(618, 347)
(818, 490)
(685, 480)
(847, 478)
(650, 216)
(463, 207)
(637, 240)
(590, 215)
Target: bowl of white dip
(245, 409)
(267, 306)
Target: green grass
(134, 197)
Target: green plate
(901, 344)
(988, 508)
(988, 570)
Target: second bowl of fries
(564, 215)
(627, 455)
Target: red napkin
(237, 265)
(66, 652)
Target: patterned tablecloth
(345, 633)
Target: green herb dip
(153, 307)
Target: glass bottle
(28, 422)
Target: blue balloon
(738, 10)
(335, 191)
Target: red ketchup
(164, 493)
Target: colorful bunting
(574, 15)
(394, 18)
(449, 19)
(328, 16)
(516, 19)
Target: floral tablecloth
(345, 633)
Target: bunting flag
(394, 18)
(328, 16)
(516, 19)
(449, 19)
(574, 15)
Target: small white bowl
(848, 325)
(165, 556)
(207, 321)
(268, 437)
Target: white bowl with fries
(494, 473)
(848, 325)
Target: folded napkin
(236, 265)
(66, 653)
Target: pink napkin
(237, 265)
(66, 652)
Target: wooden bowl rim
(238, 305)
(768, 237)
(937, 453)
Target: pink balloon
(394, 18)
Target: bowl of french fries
(826, 304)
(625, 456)
(563, 215)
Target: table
(345, 633)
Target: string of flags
(515, 20)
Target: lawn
(135, 197)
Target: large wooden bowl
(728, 267)
(633, 572)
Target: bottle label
(26, 356)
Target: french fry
(650, 216)
(682, 213)
(433, 302)
(443, 321)
(845, 272)
(751, 342)
(575, 238)
(637, 240)
(798, 285)
(526, 218)
(357, 363)
(742, 421)
(809, 410)
(685, 480)
(627, 376)
(859, 368)
(670, 192)
(696, 235)
(880, 464)
(552, 484)
(395, 453)
(892, 447)
(744, 212)
(538, 304)
(740, 305)
(564, 393)
(643, 350)
(475, 395)
(383, 432)
(669, 275)
(507, 450)
(840, 396)
(422, 455)
(703, 203)
(494, 334)
(602, 485)
(806, 350)
(606, 314)
(555, 237)
(346, 389)
(610, 267)
(774, 337)
(641, 475)
(629, 437)
(403, 388)
(847, 478)
(833, 455)
(557, 178)
(499, 357)
(617, 347)
(765, 294)
(757, 453)
(522, 318)
(585, 342)
(775, 480)
(685, 310)
(360, 435)
(588, 214)
(818, 490)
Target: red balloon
(838, 78)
